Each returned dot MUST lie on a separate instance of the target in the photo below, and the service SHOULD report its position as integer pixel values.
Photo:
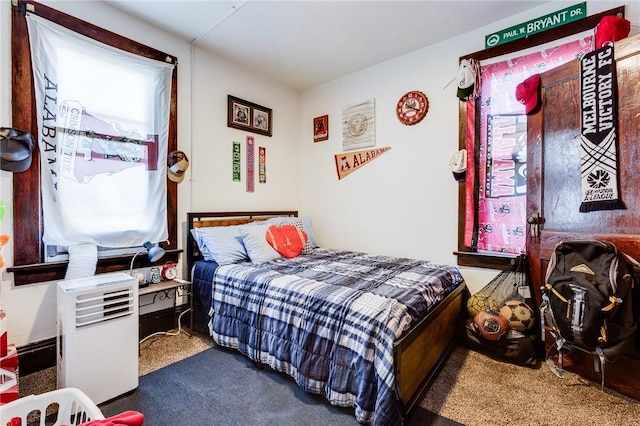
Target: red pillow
(286, 240)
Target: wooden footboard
(420, 354)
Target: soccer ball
(481, 302)
(490, 324)
(519, 315)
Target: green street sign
(552, 20)
(236, 161)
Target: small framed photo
(321, 128)
(245, 115)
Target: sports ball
(481, 302)
(518, 314)
(490, 324)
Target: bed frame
(418, 355)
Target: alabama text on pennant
(348, 162)
(599, 162)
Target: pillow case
(254, 237)
(307, 247)
(222, 244)
(288, 240)
(306, 222)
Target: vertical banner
(599, 95)
(470, 235)
(250, 164)
(262, 164)
(236, 161)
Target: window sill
(55, 271)
(484, 260)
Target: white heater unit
(97, 342)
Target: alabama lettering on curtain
(103, 117)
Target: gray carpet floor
(471, 389)
(221, 387)
(190, 381)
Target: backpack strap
(614, 301)
(602, 359)
(548, 323)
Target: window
(489, 199)
(127, 151)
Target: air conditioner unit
(97, 341)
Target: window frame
(469, 256)
(28, 247)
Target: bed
(366, 331)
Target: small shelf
(178, 287)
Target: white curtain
(103, 117)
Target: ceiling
(304, 43)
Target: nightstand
(171, 289)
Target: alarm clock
(412, 108)
(169, 271)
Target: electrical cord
(166, 333)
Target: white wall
(404, 203)
(212, 187)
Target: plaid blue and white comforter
(329, 320)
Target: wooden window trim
(28, 249)
(468, 256)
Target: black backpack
(590, 301)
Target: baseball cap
(527, 93)
(610, 29)
(177, 163)
(466, 79)
(458, 165)
(16, 147)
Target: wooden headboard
(209, 219)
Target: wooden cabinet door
(553, 187)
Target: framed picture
(321, 128)
(245, 115)
(358, 125)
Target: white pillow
(222, 244)
(254, 237)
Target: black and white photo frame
(245, 115)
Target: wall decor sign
(321, 128)
(236, 161)
(250, 164)
(262, 164)
(534, 26)
(348, 162)
(245, 115)
(358, 126)
(412, 107)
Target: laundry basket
(67, 406)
